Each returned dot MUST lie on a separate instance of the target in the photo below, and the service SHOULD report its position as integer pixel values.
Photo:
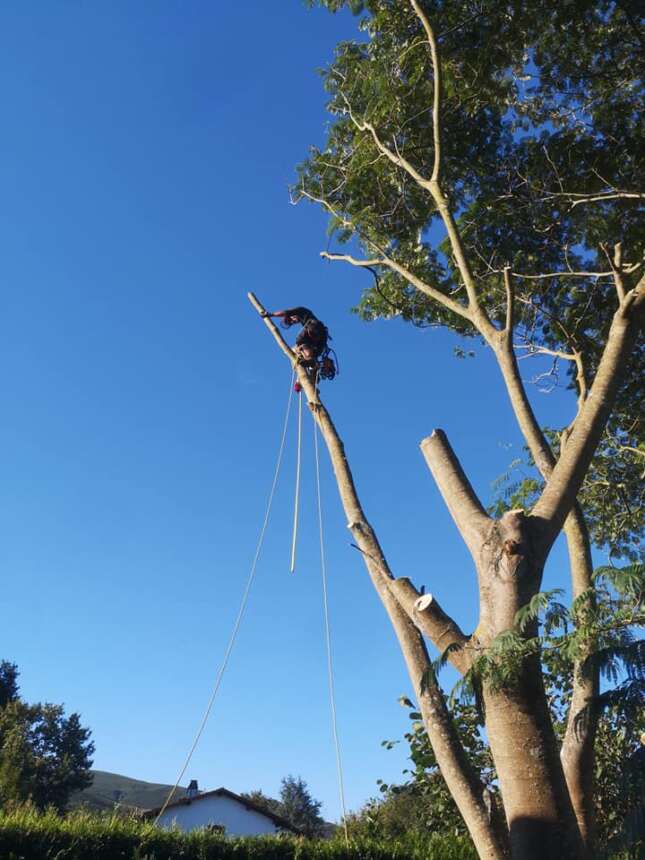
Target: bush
(26, 834)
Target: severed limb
(457, 492)
(430, 618)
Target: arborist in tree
(311, 346)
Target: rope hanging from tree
(247, 589)
(242, 609)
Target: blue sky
(144, 163)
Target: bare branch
(389, 263)
(548, 275)
(436, 101)
(456, 490)
(577, 199)
(325, 203)
(543, 350)
(354, 261)
(616, 268)
(510, 301)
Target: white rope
(330, 662)
(296, 503)
(241, 611)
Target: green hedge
(29, 835)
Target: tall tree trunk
(539, 811)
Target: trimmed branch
(460, 498)
(273, 329)
(433, 622)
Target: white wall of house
(218, 809)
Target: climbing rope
(296, 503)
(240, 614)
(330, 662)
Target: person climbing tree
(311, 345)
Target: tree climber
(311, 345)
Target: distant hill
(108, 789)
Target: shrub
(26, 834)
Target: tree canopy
(296, 804)
(44, 755)
(539, 141)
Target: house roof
(224, 792)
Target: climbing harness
(321, 367)
(328, 367)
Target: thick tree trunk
(539, 812)
(538, 809)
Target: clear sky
(145, 157)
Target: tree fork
(464, 785)
(538, 808)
